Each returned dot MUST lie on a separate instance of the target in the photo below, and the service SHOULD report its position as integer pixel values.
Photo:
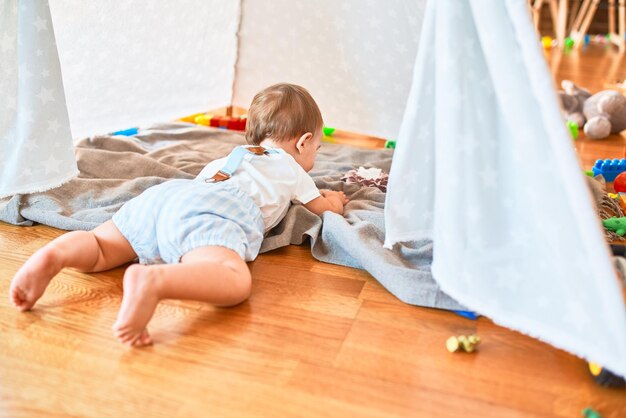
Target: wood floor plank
(389, 398)
(533, 378)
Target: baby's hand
(329, 200)
(340, 196)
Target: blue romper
(170, 219)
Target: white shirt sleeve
(305, 189)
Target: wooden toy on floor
(235, 123)
(609, 169)
(462, 343)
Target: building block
(467, 314)
(573, 129)
(609, 168)
(466, 343)
(217, 121)
(328, 131)
(590, 413)
(203, 119)
(190, 118)
(229, 122)
(127, 132)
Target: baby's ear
(303, 140)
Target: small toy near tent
(483, 166)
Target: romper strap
(234, 161)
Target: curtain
(36, 151)
(485, 168)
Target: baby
(194, 237)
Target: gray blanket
(115, 169)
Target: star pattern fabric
(499, 189)
(132, 63)
(36, 151)
(356, 57)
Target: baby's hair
(282, 112)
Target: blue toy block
(468, 314)
(609, 168)
(587, 39)
(127, 132)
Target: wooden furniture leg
(586, 22)
(536, 9)
(554, 11)
(611, 17)
(561, 27)
(575, 27)
(622, 26)
(616, 36)
(573, 13)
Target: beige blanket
(115, 169)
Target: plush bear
(600, 114)
(605, 113)
(572, 100)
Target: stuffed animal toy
(605, 113)
(600, 114)
(572, 101)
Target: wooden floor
(313, 340)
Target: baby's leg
(101, 249)
(215, 275)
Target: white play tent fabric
(134, 62)
(485, 167)
(354, 56)
(36, 151)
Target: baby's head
(286, 116)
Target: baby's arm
(329, 200)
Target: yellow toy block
(204, 119)
(190, 118)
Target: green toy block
(569, 42)
(573, 129)
(328, 131)
(390, 144)
(590, 413)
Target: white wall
(131, 62)
(355, 57)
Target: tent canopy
(132, 63)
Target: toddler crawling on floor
(193, 237)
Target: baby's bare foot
(138, 305)
(33, 277)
